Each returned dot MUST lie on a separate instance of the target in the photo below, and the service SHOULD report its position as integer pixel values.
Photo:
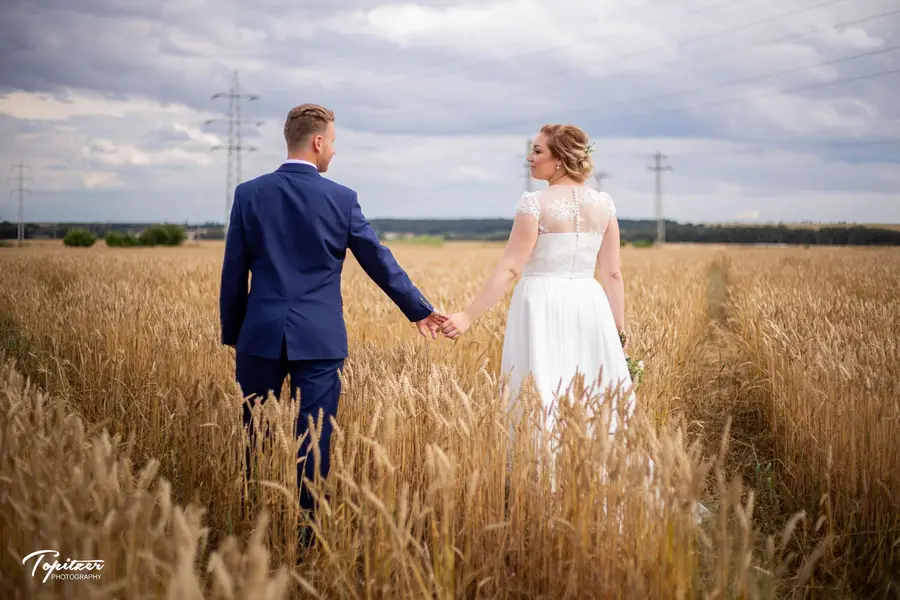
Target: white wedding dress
(559, 320)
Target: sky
(766, 111)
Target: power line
(235, 145)
(615, 60)
(501, 59)
(801, 88)
(785, 38)
(729, 145)
(504, 59)
(20, 188)
(726, 83)
(660, 222)
(606, 36)
(750, 79)
(651, 113)
(731, 50)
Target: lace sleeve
(528, 204)
(610, 205)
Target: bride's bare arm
(521, 242)
(609, 271)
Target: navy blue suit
(290, 230)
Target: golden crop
(126, 445)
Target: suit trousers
(320, 389)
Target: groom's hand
(432, 323)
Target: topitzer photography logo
(71, 569)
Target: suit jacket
(291, 230)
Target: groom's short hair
(305, 120)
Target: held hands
(431, 324)
(456, 324)
(452, 326)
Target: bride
(561, 320)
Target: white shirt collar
(297, 161)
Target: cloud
(176, 132)
(107, 101)
(106, 153)
(102, 180)
(67, 105)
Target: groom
(291, 229)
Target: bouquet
(636, 370)
(635, 367)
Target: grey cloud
(146, 50)
(184, 53)
(102, 147)
(49, 48)
(11, 127)
(168, 133)
(393, 89)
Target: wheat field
(771, 395)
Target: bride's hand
(456, 325)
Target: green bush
(162, 235)
(114, 239)
(155, 235)
(81, 238)
(643, 243)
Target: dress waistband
(556, 275)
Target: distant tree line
(643, 231)
(8, 230)
(449, 229)
(115, 234)
(154, 235)
(849, 235)
(631, 231)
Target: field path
(724, 384)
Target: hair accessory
(589, 149)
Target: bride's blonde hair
(569, 144)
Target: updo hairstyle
(569, 144)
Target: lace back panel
(568, 209)
(571, 223)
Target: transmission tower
(21, 190)
(235, 145)
(660, 223)
(599, 177)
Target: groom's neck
(307, 156)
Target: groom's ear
(318, 142)
(305, 120)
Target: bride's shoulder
(596, 197)
(529, 204)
